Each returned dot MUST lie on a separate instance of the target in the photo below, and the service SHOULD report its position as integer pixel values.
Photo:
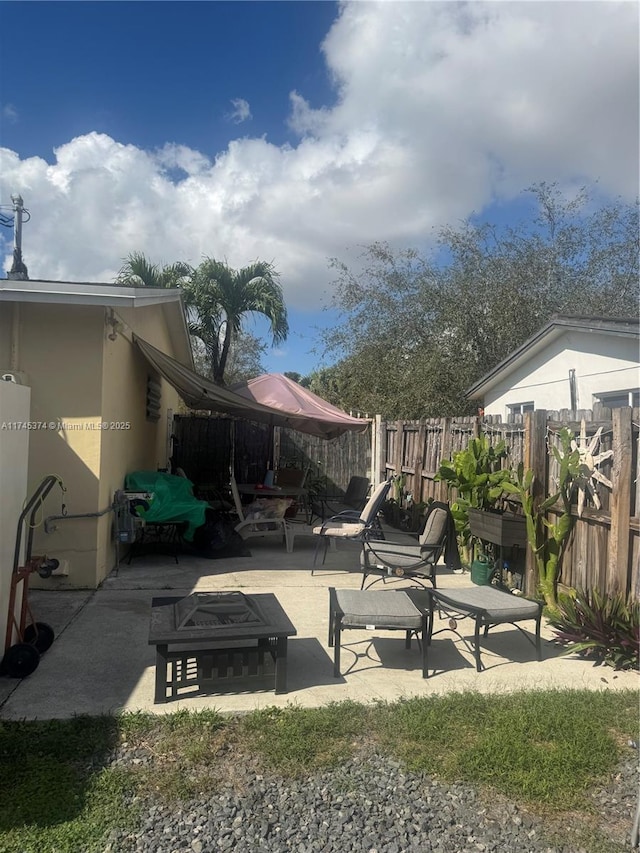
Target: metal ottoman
(390, 610)
(487, 606)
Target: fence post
(399, 448)
(418, 462)
(376, 450)
(445, 455)
(535, 458)
(620, 506)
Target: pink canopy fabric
(305, 411)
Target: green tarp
(173, 499)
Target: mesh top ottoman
(487, 606)
(390, 610)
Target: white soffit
(85, 293)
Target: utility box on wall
(15, 407)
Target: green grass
(546, 749)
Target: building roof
(628, 327)
(106, 295)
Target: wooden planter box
(500, 528)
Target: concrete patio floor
(100, 661)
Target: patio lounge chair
(248, 527)
(352, 524)
(354, 498)
(394, 560)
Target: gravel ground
(371, 805)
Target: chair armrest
(341, 520)
(346, 514)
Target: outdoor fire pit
(202, 610)
(206, 640)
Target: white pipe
(14, 360)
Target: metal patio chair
(352, 524)
(389, 560)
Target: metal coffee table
(213, 638)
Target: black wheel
(40, 635)
(20, 660)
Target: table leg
(281, 665)
(161, 674)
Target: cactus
(548, 550)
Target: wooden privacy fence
(604, 548)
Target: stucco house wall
(59, 356)
(602, 364)
(88, 384)
(134, 443)
(14, 461)
(571, 363)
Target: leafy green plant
(548, 539)
(398, 487)
(605, 628)
(410, 518)
(478, 479)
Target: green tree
(138, 271)
(244, 362)
(218, 298)
(414, 332)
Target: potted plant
(478, 479)
(392, 509)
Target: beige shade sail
(319, 418)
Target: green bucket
(481, 572)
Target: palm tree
(218, 297)
(137, 271)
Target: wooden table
(216, 637)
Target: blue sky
(299, 131)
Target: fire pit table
(210, 638)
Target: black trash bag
(216, 539)
(213, 535)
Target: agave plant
(605, 628)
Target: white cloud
(10, 114)
(241, 111)
(440, 108)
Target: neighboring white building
(571, 363)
